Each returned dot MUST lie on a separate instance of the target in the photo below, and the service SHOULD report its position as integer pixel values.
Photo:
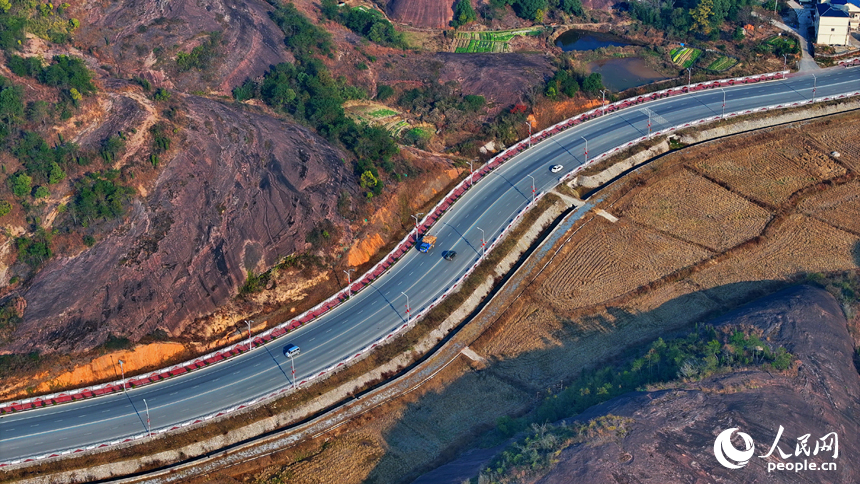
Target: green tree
(528, 9)
(5, 207)
(368, 181)
(701, 16)
(593, 83)
(384, 92)
(41, 192)
(463, 13)
(56, 175)
(21, 184)
(572, 7)
(161, 94)
(5, 5)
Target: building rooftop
(828, 10)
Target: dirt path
(804, 17)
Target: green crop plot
(495, 41)
(382, 113)
(685, 56)
(722, 63)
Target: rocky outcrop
(242, 191)
(672, 434)
(124, 34)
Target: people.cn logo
(726, 452)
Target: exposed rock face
(433, 14)
(243, 190)
(672, 435)
(127, 31)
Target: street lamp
(249, 333)
(348, 282)
(784, 63)
(471, 175)
(293, 370)
(416, 217)
(530, 133)
(407, 307)
(482, 240)
(603, 102)
(586, 149)
(689, 76)
(814, 83)
(122, 369)
(724, 103)
(533, 187)
(649, 124)
(148, 424)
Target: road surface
(381, 307)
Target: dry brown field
(839, 206)
(606, 259)
(700, 231)
(719, 220)
(758, 167)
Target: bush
(97, 197)
(384, 92)
(463, 13)
(5, 207)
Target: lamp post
(586, 149)
(122, 369)
(689, 76)
(784, 64)
(724, 103)
(293, 370)
(471, 175)
(348, 282)
(148, 424)
(482, 240)
(408, 320)
(649, 124)
(603, 102)
(814, 84)
(248, 322)
(416, 216)
(533, 187)
(530, 133)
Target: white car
(555, 168)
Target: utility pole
(148, 424)
(416, 217)
(293, 369)
(482, 240)
(122, 369)
(249, 334)
(533, 187)
(530, 133)
(348, 282)
(603, 102)
(649, 124)
(408, 320)
(586, 149)
(814, 84)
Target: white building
(835, 20)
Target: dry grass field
(606, 259)
(839, 206)
(721, 220)
(699, 231)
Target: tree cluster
(685, 17)
(463, 13)
(364, 21)
(98, 197)
(200, 58)
(302, 37)
(569, 82)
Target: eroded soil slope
(671, 436)
(243, 191)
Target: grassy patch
(383, 113)
(494, 41)
(722, 63)
(685, 56)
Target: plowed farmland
(722, 219)
(607, 259)
(839, 206)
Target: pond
(576, 40)
(623, 73)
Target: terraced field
(377, 114)
(685, 56)
(839, 206)
(722, 63)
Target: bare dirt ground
(740, 225)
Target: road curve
(379, 308)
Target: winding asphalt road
(379, 308)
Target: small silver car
(556, 168)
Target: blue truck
(427, 243)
